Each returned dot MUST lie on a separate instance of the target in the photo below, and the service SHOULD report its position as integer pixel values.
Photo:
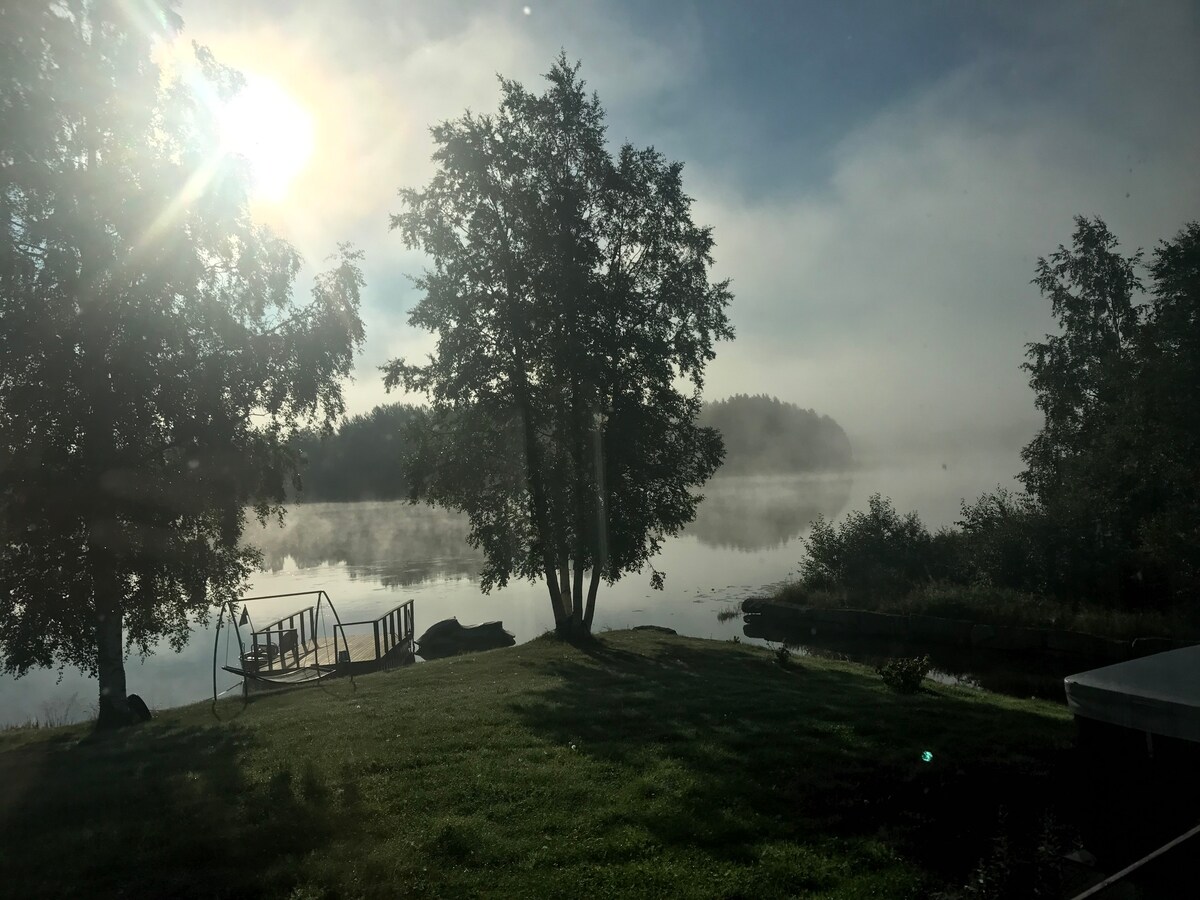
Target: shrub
(905, 675)
(1005, 537)
(877, 551)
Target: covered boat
(1156, 695)
(449, 638)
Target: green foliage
(1169, 405)
(1112, 469)
(363, 460)
(1078, 375)
(905, 675)
(1113, 505)
(872, 552)
(765, 435)
(569, 295)
(153, 360)
(1003, 541)
(987, 605)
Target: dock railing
(389, 631)
(294, 634)
(268, 650)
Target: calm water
(370, 557)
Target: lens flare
(272, 130)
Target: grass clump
(640, 765)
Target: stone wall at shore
(933, 629)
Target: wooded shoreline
(956, 632)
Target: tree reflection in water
(398, 544)
(395, 543)
(761, 512)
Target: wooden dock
(290, 651)
(322, 652)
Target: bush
(877, 551)
(1004, 542)
(1009, 549)
(905, 675)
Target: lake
(372, 556)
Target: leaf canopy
(154, 360)
(570, 295)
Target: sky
(881, 177)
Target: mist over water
(371, 556)
(395, 543)
(763, 512)
(936, 488)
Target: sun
(272, 130)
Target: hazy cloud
(895, 295)
(883, 277)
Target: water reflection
(393, 543)
(744, 540)
(399, 545)
(759, 512)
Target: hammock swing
(297, 649)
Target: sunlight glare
(272, 130)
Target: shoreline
(961, 633)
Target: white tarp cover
(1158, 693)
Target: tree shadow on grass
(724, 748)
(158, 811)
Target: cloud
(377, 76)
(895, 295)
(887, 285)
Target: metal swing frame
(294, 635)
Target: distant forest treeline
(764, 435)
(363, 459)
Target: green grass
(999, 606)
(642, 765)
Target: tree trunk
(110, 658)
(591, 598)
(556, 597)
(564, 582)
(533, 476)
(113, 710)
(600, 538)
(578, 623)
(577, 619)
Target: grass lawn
(643, 765)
